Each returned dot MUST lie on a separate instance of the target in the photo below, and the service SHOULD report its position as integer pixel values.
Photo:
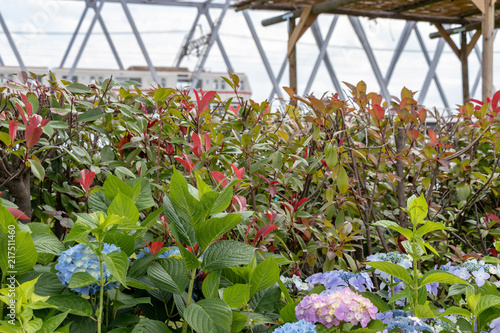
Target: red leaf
(493, 252)
(271, 215)
(432, 136)
(32, 135)
(196, 140)
(87, 177)
(205, 101)
(240, 201)
(301, 201)
(492, 217)
(45, 122)
(36, 120)
(272, 190)
(17, 213)
(264, 231)
(248, 228)
(219, 177)
(380, 112)
(21, 113)
(265, 179)
(476, 101)
(155, 247)
(235, 111)
(208, 144)
(238, 172)
(13, 125)
(495, 100)
(186, 164)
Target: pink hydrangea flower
(330, 310)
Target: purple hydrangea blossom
(330, 310)
(300, 326)
(432, 288)
(495, 326)
(81, 258)
(337, 279)
(480, 276)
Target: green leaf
(145, 199)
(455, 310)
(37, 169)
(134, 283)
(78, 88)
(227, 253)
(441, 277)
(391, 269)
(146, 325)
(48, 243)
(429, 227)
(239, 322)
(237, 295)
(6, 218)
(51, 324)
(381, 304)
(214, 228)
(124, 206)
(74, 303)
(264, 275)
(486, 302)
(169, 275)
(417, 209)
(287, 313)
(79, 231)
(113, 185)
(81, 279)
(209, 315)
(265, 300)
(342, 181)
(210, 286)
(214, 204)
(187, 207)
(331, 157)
(90, 115)
(394, 226)
(181, 232)
(125, 242)
(19, 256)
(424, 311)
(117, 264)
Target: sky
(42, 30)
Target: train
(170, 77)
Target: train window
(182, 84)
(223, 85)
(100, 80)
(242, 85)
(92, 79)
(163, 82)
(199, 84)
(137, 79)
(216, 84)
(1, 78)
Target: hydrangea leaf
(287, 313)
(124, 206)
(48, 243)
(51, 324)
(264, 275)
(187, 207)
(441, 277)
(239, 322)
(169, 275)
(212, 229)
(237, 295)
(417, 209)
(76, 305)
(19, 257)
(81, 279)
(210, 286)
(117, 264)
(391, 269)
(227, 253)
(79, 231)
(150, 326)
(265, 300)
(209, 315)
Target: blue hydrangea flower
(495, 326)
(171, 251)
(300, 326)
(297, 282)
(81, 258)
(403, 322)
(337, 279)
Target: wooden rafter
(306, 19)
(414, 5)
(448, 39)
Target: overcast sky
(42, 30)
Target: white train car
(170, 77)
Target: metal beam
(323, 56)
(73, 37)
(219, 42)
(360, 32)
(168, 3)
(432, 71)
(139, 41)
(428, 60)
(213, 36)
(187, 40)
(262, 53)
(403, 39)
(12, 44)
(278, 79)
(84, 42)
(110, 41)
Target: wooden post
(465, 66)
(292, 57)
(488, 28)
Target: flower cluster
(330, 310)
(335, 280)
(479, 271)
(300, 326)
(403, 322)
(297, 282)
(170, 251)
(81, 258)
(495, 326)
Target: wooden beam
(448, 39)
(414, 5)
(488, 28)
(473, 41)
(319, 8)
(480, 4)
(306, 19)
(292, 57)
(468, 27)
(465, 67)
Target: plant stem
(189, 298)
(101, 295)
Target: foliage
(204, 204)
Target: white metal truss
(12, 45)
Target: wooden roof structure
(480, 15)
